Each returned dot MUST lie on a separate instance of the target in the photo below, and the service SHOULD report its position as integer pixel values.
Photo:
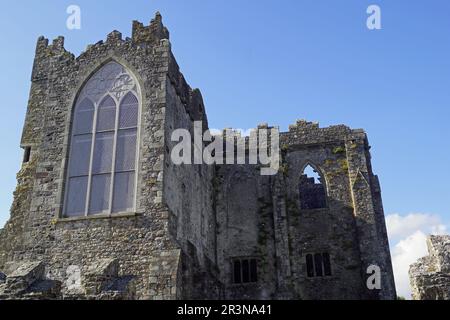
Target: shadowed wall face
(312, 194)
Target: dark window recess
(245, 271)
(237, 271)
(27, 154)
(312, 190)
(253, 270)
(310, 265)
(326, 264)
(318, 265)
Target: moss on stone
(343, 163)
(339, 150)
(284, 169)
(329, 162)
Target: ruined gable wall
(351, 227)
(326, 230)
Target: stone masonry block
(25, 276)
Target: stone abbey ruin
(101, 212)
(430, 275)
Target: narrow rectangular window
(26, 155)
(253, 270)
(318, 264)
(326, 264)
(309, 265)
(245, 271)
(237, 271)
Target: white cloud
(400, 227)
(405, 253)
(407, 235)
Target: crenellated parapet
(152, 33)
(305, 132)
(48, 54)
(142, 36)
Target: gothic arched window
(312, 189)
(101, 177)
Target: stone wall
(430, 275)
(351, 228)
(191, 221)
(261, 217)
(188, 192)
(245, 229)
(138, 241)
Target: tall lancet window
(101, 176)
(312, 190)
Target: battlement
(56, 47)
(303, 124)
(305, 132)
(141, 34)
(151, 33)
(114, 36)
(302, 133)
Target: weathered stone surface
(100, 275)
(24, 276)
(430, 275)
(43, 290)
(28, 282)
(191, 221)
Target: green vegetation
(338, 150)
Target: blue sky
(277, 61)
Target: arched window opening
(312, 189)
(103, 148)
